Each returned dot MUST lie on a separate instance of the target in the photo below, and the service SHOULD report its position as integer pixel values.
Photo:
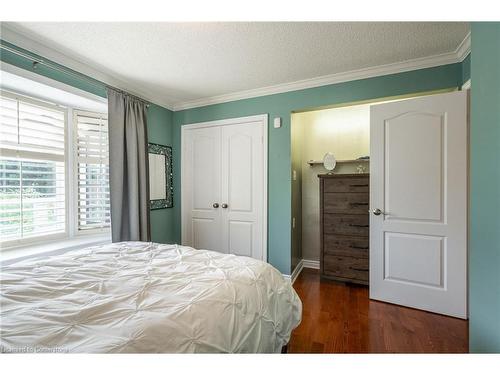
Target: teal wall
(484, 245)
(466, 69)
(160, 123)
(281, 105)
(164, 128)
(159, 128)
(482, 66)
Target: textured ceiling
(187, 61)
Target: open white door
(418, 198)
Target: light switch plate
(277, 122)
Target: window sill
(9, 256)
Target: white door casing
(240, 220)
(418, 179)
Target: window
(32, 169)
(93, 170)
(54, 175)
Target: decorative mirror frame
(157, 204)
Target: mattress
(142, 297)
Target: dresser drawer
(356, 269)
(346, 203)
(356, 184)
(339, 245)
(355, 225)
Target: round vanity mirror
(329, 161)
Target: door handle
(224, 205)
(215, 205)
(377, 211)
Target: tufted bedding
(145, 297)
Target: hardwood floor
(340, 318)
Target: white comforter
(146, 297)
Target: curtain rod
(96, 83)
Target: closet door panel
(202, 188)
(242, 188)
(240, 171)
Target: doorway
(343, 132)
(417, 251)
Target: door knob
(377, 211)
(224, 205)
(215, 205)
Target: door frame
(263, 119)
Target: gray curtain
(128, 168)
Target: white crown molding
(13, 36)
(463, 49)
(456, 56)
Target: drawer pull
(358, 269)
(359, 185)
(359, 225)
(360, 247)
(358, 204)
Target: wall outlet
(294, 175)
(293, 223)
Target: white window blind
(32, 169)
(92, 157)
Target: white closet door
(201, 188)
(224, 186)
(243, 189)
(418, 189)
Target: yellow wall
(345, 132)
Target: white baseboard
(314, 264)
(304, 263)
(296, 272)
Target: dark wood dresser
(344, 221)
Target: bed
(141, 297)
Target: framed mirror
(161, 188)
